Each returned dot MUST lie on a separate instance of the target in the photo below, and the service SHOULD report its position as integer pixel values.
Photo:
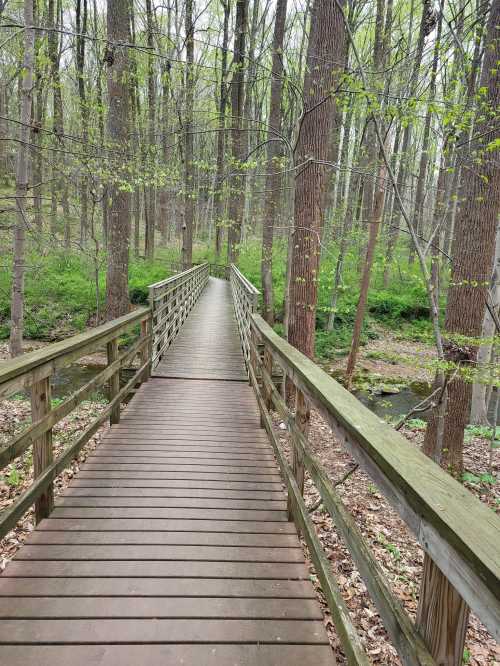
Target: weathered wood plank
(147, 569)
(154, 587)
(161, 631)
(167, 525)
(164, 553)
(233, 539)
(173, 655)
(158, 608)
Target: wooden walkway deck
(172, 545)
(209, 346)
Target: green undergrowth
(402, 307)
(61, 294)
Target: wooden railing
(171, 300)
(216, 270)
(33, 371)
(460, 534)
(245, 299)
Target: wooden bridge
(176, 542)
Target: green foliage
(390, 547)
(13, 478)
(402, 305)
(478, 480)
(61, 294)
(484, 432)
(416, 424)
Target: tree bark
(274, 151)
(19, 245)
(117, 300)
(150, 194)
(485, 356)
(442, 614)
(81, 29)
(377, 212)
(326, 46)
(187, 234)
(221, 135)
(238, 143)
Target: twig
(342, 480)
(422, 406)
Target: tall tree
(117, 301)
(221, 133)
(187, 231)
(19, 249)
(150, 193)
(238, 143)
(326, 46)
(441, 611)
(274, 150)
(81, 30)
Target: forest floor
(389, 358)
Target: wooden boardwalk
(172, 544)
(209, 346)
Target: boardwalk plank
(156, 587)
(173, 655)
(161, 631)
(159, 607)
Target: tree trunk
(19, 249)
(377, 212)
(485, 356)
(442, 614)
(187, 235)
(81, 29)
(221, 136)
(117, 300)
(418, 214)
(238, 144)
(150, 194)
(274, 151)
(326, 46)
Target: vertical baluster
(268, 365)
(114, 381)
(42, 446)
(147, 350)
(302, 416)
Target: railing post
(302, 415)
(147, 350)
(42, 447)
(442, 616)
(268, 366)
(114, 381)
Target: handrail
(18, 373)
(245, 299)
(459, 533)
(171, 300)
(34, 370)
